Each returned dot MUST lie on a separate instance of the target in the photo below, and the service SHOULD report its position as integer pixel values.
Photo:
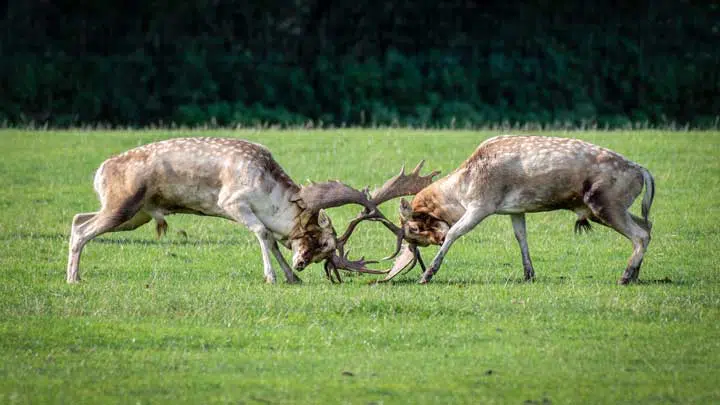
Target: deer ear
(405, 209)
(324, 220)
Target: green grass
(189, 320)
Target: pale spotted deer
(220, 177)
(514, 175)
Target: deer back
(195, 175)
(528, 174)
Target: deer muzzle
(300, 260)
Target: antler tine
(405, 262)
(330, 269)
(342, 261)
(398, 245)
(374, 215)
(351, 228)
(418, 167)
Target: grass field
(188, 320)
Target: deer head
(316, 241)
(420, 228)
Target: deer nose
(301, 264)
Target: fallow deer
(514, 175)
(228, 178)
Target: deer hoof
(295, 280)
(624, 281)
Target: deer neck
(279, 215)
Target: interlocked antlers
(319, 196)
(398, 186)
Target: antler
(409, 257)
(341, 261)
(317, 196)
(402, 184)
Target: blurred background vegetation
(463, 63)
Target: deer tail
(161, 227)
(649, 195)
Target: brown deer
(228, 178)
(514, 175)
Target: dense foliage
(456, 62)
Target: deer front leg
(469, 220)
(263, 236)
(243, 214)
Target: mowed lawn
(187, 319)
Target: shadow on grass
(166, 242)
(127, 241)
(559, 280)
(413, 280)
(665, 280)
(33, 236)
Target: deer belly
(179, 198)
(534, 200)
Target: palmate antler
(403, 185)
(317, 196)
(408, 258)
(399, 185)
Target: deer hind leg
(618, 218)
(640, 239)
(518, 222)
(87, 226)
(647, 226)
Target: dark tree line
(359, 63)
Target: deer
(515, 175)
(232, 179)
